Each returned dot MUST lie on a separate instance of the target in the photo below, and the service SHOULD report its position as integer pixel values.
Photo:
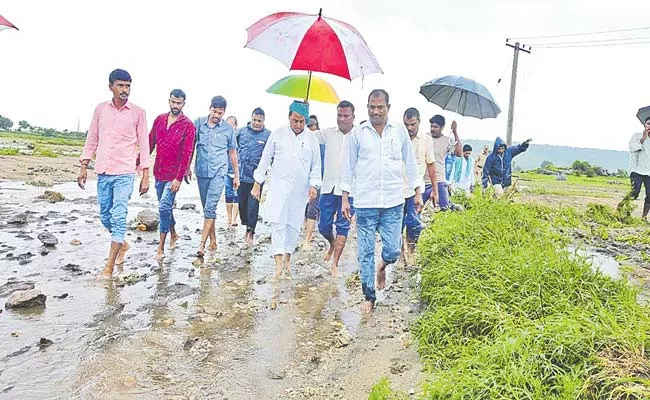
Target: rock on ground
(51, 196)
(149, 219)
(48, 239)
(18, 219)
(26, 299)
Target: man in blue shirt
(375, 153)
(252, 139)
(215, 142)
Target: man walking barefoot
(118, 138)
(173, 134)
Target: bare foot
(213, 246)
(201, 251)
(249, 238)
(172, 241)
(381, 277)
(160, 254)
(335, 271)
(366, 307)
(107, 273)
(329, 253)
(121, 254)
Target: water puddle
(164, 330)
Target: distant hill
(611, 160)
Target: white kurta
(295, 167)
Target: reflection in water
(210, 331)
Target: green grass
(38, 139)
(382, 391)
(512, 315)
(572, 180)
(9, 152)
(41, 151)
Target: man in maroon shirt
(173, 133)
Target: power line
(590, 45)
(582, 34)
(591, 41)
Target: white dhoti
(284, 238)
(295, 167)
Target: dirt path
(183, 330)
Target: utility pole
(513, 85)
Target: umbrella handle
(308, 87)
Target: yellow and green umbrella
(305, 87)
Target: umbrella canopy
(461, 95)
(4, 24)
(311, 42)
(297, 86)
(643, 114)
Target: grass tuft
(511, 314)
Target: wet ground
(184, 330)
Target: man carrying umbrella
(292, 153)
(215, 142)
(640, 165)
(252, 139)
(373, 162)
(331, 195)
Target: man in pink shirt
(118, 138)
(173, 133)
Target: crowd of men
(379, 173)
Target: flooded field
(180, 329)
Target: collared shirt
(639, 154)
(117, 137)
(333, 140)
(174, 147)
(251, 146)
(374, 164)
(441, 147)
(424, 155)
(212, 146)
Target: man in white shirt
(331, 195)
(374, 155)
(293, 155)
(424, 157)
(640, 165)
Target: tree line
(6, 124)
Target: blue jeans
(113, 195)
(411, 221)
(330, 207)
(165, 205)
(388, 221)
(231, 193)
(210, 190)
(443, 195)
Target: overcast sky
(55, 69)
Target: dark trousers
(637, 180)
(249, 207)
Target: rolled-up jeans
(210, 190)
(113, 195)
(165, 205)
(388, 221)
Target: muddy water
(174, 329)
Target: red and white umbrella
(4, 24)
(311, 42)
